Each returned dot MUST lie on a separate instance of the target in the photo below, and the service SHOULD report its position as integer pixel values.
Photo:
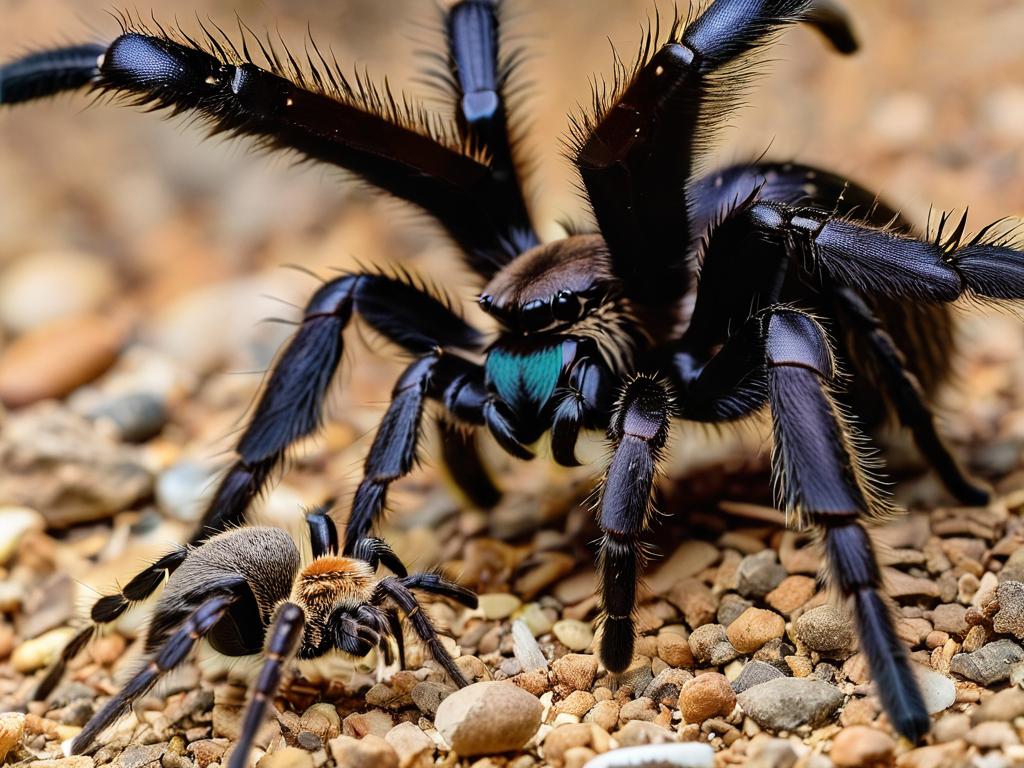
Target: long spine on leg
(821, 480)
(639, 428)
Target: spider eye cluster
(564, 307)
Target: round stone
(488, 718)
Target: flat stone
(989, 664)
(1002, 706)
(900, 584)
(138, 756)
(937, 690)
(755, 673)
(368, 752)
(688, 560)
(792, 593)
(788, 703)
(950, 618)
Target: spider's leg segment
(107, 609)
(436, 584)
(397, 632)
(173, 652)
(879, 262)
(283, 639)
(907, 397)
(460, 457)
(588, 396)
(637, 154)
(832, 21)
(820, 475)
(454, 382)
(394, 589)
(47, 73)
(377, 552)
(291, 404)
(323, 533)
(480, 77)
(318, 114)
(639, 429)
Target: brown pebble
(860, 746)
(792, 593)
(565, 737)
(577, 703)
(359, 724)
(107, 649)
(57, 358)
(321, 719)
(859, 712)
(642, 708)
(604, 714)
(705, 696)
(576, 670)
(826, 629)
(414, 748)
(535, 682)
(674, 650)
(754, 628)
(368, 752)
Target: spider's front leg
(783, 356)
(639, 429)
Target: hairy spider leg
(461, 459)
(378, 552)
(311, 109)
(398, 591)
(47, 73)
(107, 609)
(910, 403)
(638, 152)
(585, 402)
(291, 404)
(173, 652)
(478, 77)
(638, 430)
(283, 640)
(820, 473)
(323, 533)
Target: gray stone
(989, 664)
(826, 629)
(950, 618)
(137, 416)
(755, 673)
(182, 489)
(788, 703)
(1010, 617)
(136, 757)
(710, 644)
(665, 687)
(731, 608)
(759, 574)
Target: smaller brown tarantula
(245, 592)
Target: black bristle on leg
(618, 573)
(47, 73)
(241, 484)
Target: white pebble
(689, 755)
(938, 691)
(15, 522)
(574, 635)
(498, 605)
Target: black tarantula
(697, 297)
(247, 592)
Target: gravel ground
(135, 266)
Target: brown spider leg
(291, 404)
(283, 639)
(639, 430)
(394, 589)
(107, 609)
(172, 653)
(637, 154)
(820, 475)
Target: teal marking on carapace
(528, 376)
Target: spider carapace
(802, 274)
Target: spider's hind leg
(907, 396)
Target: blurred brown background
(103, 208)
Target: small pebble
(938, 691)
(1009, 619)
(487, 718)
(321, 719)
(753, 628)
(759, 574)
(604, 714)
(792, 593)
(710, 644)
(577, 703)
(368, 752)
(183, 489)
(41, 651)
(576, 671)
(568, 736)
(825, 629)
(992, 735)
(15, 522)
(706, 696)
(860, 746)
(674, 650)
(657, 756)
(573, 634)
(755, 673)
(1003, 706)
(428, 695)
(289, 757)
(525, 648)
(536, 618)
(414, 748)
(989, 664)
(787, 703)
(498, 606)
